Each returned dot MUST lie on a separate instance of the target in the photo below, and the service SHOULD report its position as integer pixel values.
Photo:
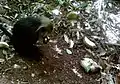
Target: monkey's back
(24, 36)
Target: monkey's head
(27, 31)
(32, 29)
(45, 28)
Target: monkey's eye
(46, 39)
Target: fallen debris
(32, 75)
(57, 49)
(89, 65)
(68, 51)
(66, 38)
(71, 44)
(76, 72)
(4, 45)
(89, 43)
(2, 60)
(16, 66)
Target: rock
(89, 65)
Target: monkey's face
(44, 34)
(44, 31)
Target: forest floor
(54, 68)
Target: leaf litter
(90, 28)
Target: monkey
(26, 32)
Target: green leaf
(84, 5)
(60, 2)
(72, 16)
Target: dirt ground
(54, 68)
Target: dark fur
(24, 37)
